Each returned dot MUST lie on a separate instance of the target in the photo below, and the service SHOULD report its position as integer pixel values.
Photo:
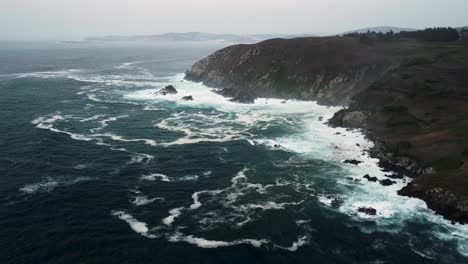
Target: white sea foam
(240, 177)
(301, 241)
(188, 178)
(206, 243)
(104, 122)
(93, 97)
(154, 176)
(96, 117)
(47, 123)
(268, 206)
(173, 214)
(81, 166)
(137, 226)
(127, 65)
(140, 158)
(123, 139)
(45, 186)
(50, 184)
(152, 108)
(45, 74)
(196, 201)
(143, 200)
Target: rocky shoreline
(409, 98)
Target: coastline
(402, 108)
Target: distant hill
(197, 37)
(379, 29)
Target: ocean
(96, 167)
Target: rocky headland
(409, 97)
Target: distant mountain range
(231, 38)
(379, 29)
(197, 37)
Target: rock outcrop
(351, 119)
(167, 90)
(243, 99)
(187, 98)
(367, 210)
(329, 70)
(417, 116)
(409, 97)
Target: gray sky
(75, 19)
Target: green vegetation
(439, 34)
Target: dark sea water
(96, 168)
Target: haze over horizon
(66, 19)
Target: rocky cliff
(329, 70)
(418, 117)
(410, 98)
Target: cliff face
(410, 98)
(418, 117)
(328, 70)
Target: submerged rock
(353, 179)
(187, 98)
(369, 178)
(243, 99)
(352, 161)
(387, 182)
(367, 210)
(395, 176)
(336, 202)
(167, 90)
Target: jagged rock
(395, 176)
(367, 210)
(440, 200)
(387, 182)
(349, 119)
(369, 178)
(167, 90)
(336, 202)
(243, 99)
(352, 179)
(352, 161)
(187, 98)
(318, 69)
(320, 118)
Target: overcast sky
(76, 19)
